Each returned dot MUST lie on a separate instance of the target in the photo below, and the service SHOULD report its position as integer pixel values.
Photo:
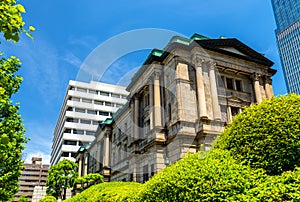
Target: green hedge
(113, 191)
(202, 177)
(266, 135)
(48, 199)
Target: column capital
(255, 76)
(197, 60)
(154, 76)
(212, 65)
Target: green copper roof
(179, 39)
(199, 37)
(107, 121)
(157, 52)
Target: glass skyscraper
(287, 17)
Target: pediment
(235, 99)
(236, 48)
(233, 50)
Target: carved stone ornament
(256, 76)
(197, 60)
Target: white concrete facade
(85, 105)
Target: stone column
(79, 166)
(151, 107)
(85, 171)
(136, 117)
(256, 84)
(156, 103)
(268, 87)
(200, 87)
(214, 91)
(107, 151)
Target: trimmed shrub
(266, 135)
(48, 199)
(284, 187)
(213, 176)
(112, 191)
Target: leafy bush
(112, 191)
(266, 135)
(48, 199)
(213, 176)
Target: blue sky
(68, 31)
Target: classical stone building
(179, 101)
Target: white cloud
(72, 59)
(45, 157)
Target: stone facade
(179, 101)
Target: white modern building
(84, 107)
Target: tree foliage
(88, 180)
(11, 127)
(11, 21)
(266, 135)
(60, 177)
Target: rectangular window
(98, 102)
(152, 170)
(74, 99)
(103, 113)
(70, 109)
(90, 133)
(85, 121)
(72, 120)
(115, 95)
(68, 130)
(229, 83)
(86, 100)
(65, 154)
(93, 92)
(238, 85)
(95, 123)
(80, 110)
(234, 111)
(109, 104)
(81, 90)
(91, 112)
(145, 173)
(69, 142)
(78, 132)
(104, 93)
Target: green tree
(88, 180)
(61, 176)
(11, 127)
